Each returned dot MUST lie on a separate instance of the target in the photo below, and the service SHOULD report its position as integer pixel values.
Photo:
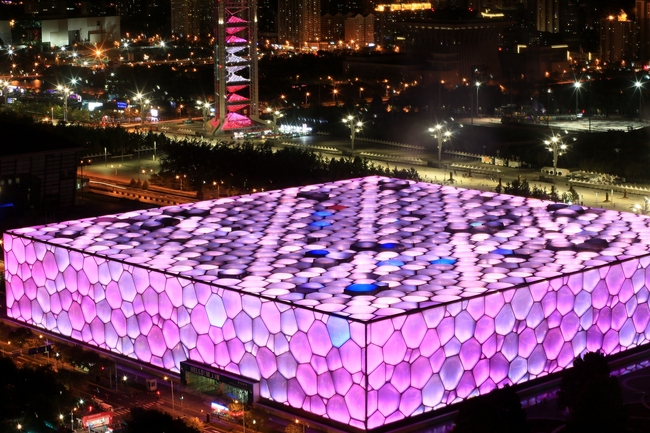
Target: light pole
(143, 109)
(477, 87)
(442, 83)
(181, 179)
(171, 383)
(355, 126)
(66, 94)
(558, 148)
(577, 85)
(334, 93)
(303, 426)
(243, 416)
(548, 106)
(276, 114)
(639, 85)
(360, 91)
(442, 136)
(205, 109)
(306, 98)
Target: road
(120, 171)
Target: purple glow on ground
(403, 298)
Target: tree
(591, 397)
(154, 421)
(499, 411)
(293, 427)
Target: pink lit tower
(236, 91)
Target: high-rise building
(131, 8)
(45, 7)
(332, 27)
(360, 29)
(548, 16)
(192, 17)
(299, 22)
(267, 17)
(642, 14)
(616, 38)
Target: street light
(181, 179)
(577, 85)
(144, 103)
(639, 85)
(276, 114)
(558, 147)
(303, 425)
(360, 91)
(355, 126)
(306, 98)
(477, 87)
(66, 94)
(442, 136)
(243, 416)
(171, 383)
(205, 108)
(548, 106)
(334, 93)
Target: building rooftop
(363, 249)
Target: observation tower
(236, 89)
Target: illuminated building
(360, 29)
(361, 302)
(642, 19)
(548, 16)
(235, 66)
(333, 27)
(616, 38)
(299, 23)
(192, 17)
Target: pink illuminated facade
(365, 301)
(235, 66)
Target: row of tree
(246, 167)
(522, 188)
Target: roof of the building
(364, 248)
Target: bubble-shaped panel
(261, 286)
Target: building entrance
(225, 386)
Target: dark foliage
(245, 167)
(154, 421)
(499, 411)
(591, 397)
(30, 397)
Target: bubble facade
(365, 301)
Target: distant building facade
(642, 19)
(299, 22)
(616, 38)
(67, 31)
(332, 27)
(548, 16)
(192, 18)
(45, 7)
(472, 44)
(360, 30)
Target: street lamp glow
(558, 147)
(442, 136)
(577, 85)
(639, 85)
(478, 84)
(355, 126)
(204, 106)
